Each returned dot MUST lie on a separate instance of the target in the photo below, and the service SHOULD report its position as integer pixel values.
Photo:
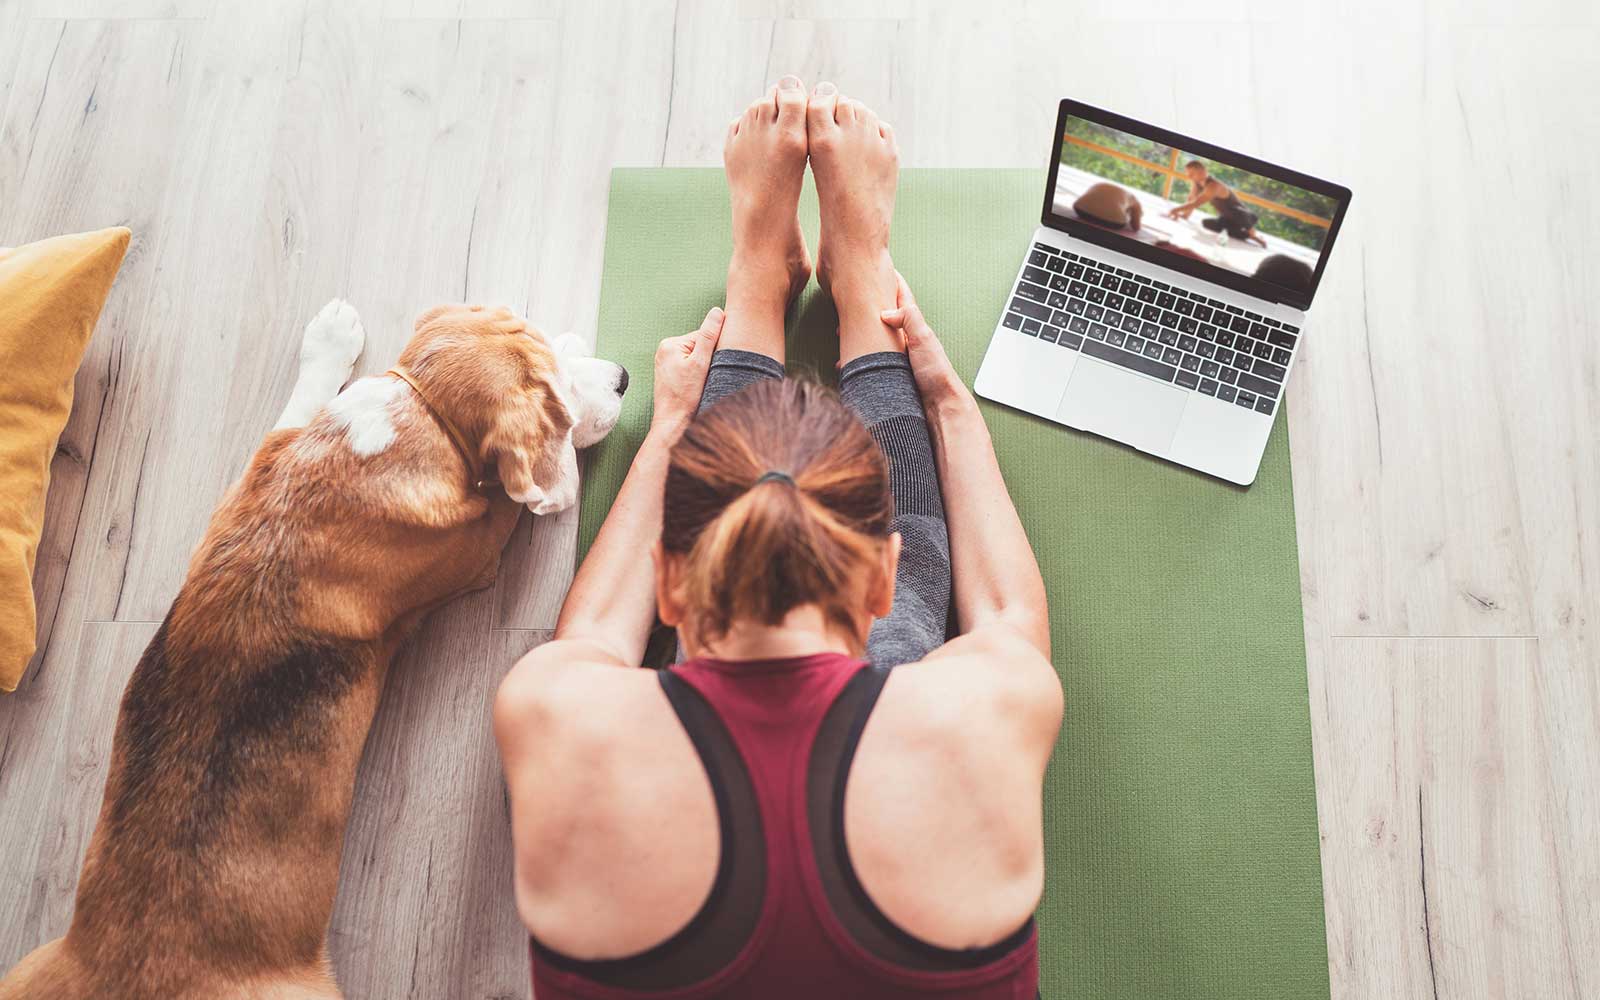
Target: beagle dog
(212, 869)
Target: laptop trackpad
(1122, 406)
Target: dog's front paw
(334, 338)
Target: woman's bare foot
(854, 160)
(765, 158)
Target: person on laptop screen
(691, 832)
(1232, 217)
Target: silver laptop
(1163, 300)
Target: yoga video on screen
(1195, 206)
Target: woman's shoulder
(991, 678)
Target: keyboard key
(1074, 270)
(1134, 362)
(1050, 333)
(1095, 312)
(1038, 258)
(1141, 279)
(1207, 349)
(1263, 405)
(1235, 310)
(1208, 332)
(1147, 294)
(1135, 343)
(1188, 343)
(1254, 316)
(1272, 322)
(1281, 338)
(1097, 295)
(1058, 300)
(1130, 324)
(1169, 318)
(1258, 385)
(1188, 324)
(1056, 264)
(1171, 355)
(1202, 313)
(1258, 331)
(1245, 399)
(1280, 356)
(1240, 325)
(1208, 386)
(1132, 307)
(1115, 337)
(1078, 325)
(1011, 321)
(1267, 369)
(1151, 313)
(1124, 273)
(1070, 255)
(1189, 363)
(1129, 286)
(1060, 318)
(1037, 275)
(1149, 331)
(1185, 306)
(1209, 369)
(1166, 300)
(1291, 329)
(1071, 340)
(1261, 349)
(1033, 309)
(1077, 288)
(1226, 393)
(1032, 327)
(1225, 337)
(1033, 292)
(1152, 350)
(1169, 337)
(1161, 285)
(1227, 374)
(1097, 331)
(1058, 283)
(1224, 356)
(1077, 306)
(1189, 380)
(1113, 301)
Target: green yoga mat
(1180, 812)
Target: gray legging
(880, 389)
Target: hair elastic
(773, 475)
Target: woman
(1232, 217)
(824, 798)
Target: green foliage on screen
(1153, 181)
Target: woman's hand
(681, 366)
(936, 378)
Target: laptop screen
(1192, 206)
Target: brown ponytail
(754, 549)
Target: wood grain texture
(403, 152)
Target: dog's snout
(622, 380)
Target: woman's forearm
(995, 576)
(613, 597)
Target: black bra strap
(721, 928)
(826, 778)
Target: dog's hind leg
(328, 353)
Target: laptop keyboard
(1151, 327)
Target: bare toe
(820, 110)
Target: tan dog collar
(474, 467)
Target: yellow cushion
(51, 293)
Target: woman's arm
(995, 577)
(612, 604)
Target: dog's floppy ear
(530, 442)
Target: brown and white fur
(213, 866)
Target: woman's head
(777, 498)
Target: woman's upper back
(806, 817)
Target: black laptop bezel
(1175, 261)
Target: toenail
(825, 88)
(789, 83)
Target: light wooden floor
(269, 156)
